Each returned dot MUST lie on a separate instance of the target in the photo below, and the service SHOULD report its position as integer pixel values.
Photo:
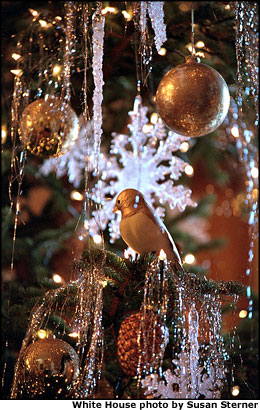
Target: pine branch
(118, 267)
(202, 285)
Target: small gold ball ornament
(48, 127)
(49, 369)
(192, 99)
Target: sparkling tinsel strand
(38, 316)
(17, 164)
(70, 40)
(247, 55)
(88, 322)
(155, 302)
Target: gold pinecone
(128, 350)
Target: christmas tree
(83, 315)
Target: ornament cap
(192, 59)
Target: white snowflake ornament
(74, 162)
(145, 161)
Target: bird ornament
(141, 229)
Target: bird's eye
(118, 201)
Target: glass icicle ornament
(156, 14)
(192, 98)
(136, 161)
(98, 23)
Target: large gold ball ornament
(192, 99)
(49, 369)
(48, 128)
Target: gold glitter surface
(50, 368)
(48, 128)
(192, 99)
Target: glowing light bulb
(242, 314)
(43, 23)
(189, 47)
(189, 259)
(104, 283)
(56, 70)
(126, 15)
(57, 278)
(235, 131)
(200, 44)
(97, 239)
(254, 172)
(162, 255)
(154, 118)
(42, 334)
(73, 334)
(16, 56)
(17, 72)
(3, 134)
(184, 146)
(109, 10)
(200, 54)
(76, 196)
(162, 51)
(235, 390)
(34, 13)
(189, 170)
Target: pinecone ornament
(153, 340)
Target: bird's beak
(115, 210)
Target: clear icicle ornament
(98, 23)
(156, 14)
(136, 161)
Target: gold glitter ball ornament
(48, 128)
(49, 369)
(192, 99)
(153, 343)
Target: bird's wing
(150, 213)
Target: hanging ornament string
(247, 55)
(142, 42)
(193, 52)
(70, 41)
